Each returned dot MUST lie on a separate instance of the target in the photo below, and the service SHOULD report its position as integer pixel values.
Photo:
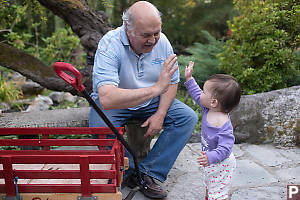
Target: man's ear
(214, 103)
(126, 30)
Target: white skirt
(218, 178)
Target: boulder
(271, 117)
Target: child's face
(206, 96)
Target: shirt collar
(123, 35)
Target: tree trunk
(89, 25)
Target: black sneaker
(151, 189)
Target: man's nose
(151, 39)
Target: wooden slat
(61, 188)
(61, 174)
(65, 196)
(57, 142)
(60, 159)
(58, 130)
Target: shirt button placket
(140, 67)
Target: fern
(204, 55)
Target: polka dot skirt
(218, 178)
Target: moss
(262, 139)
(280, 133)
(74, 4)
(297, 131)
(270, 132)
(289, 125)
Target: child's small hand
(203, 160)
(189, 70)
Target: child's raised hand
(189, 70)
(203, 160)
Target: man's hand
(203, 160)
(154, 124)
(166, 74)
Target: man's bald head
(141, 11)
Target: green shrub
(261, 51)
(181, 96)
(60, 47)
(205, 58)
(8, 91)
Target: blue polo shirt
(117, 64)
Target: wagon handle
(61, 67)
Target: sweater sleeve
(194, 90)
(225, 139)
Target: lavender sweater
(216, 142)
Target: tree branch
(89, 25)
(34, 69)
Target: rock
(27, 86)
(4, 106)
(69, 97)
(40, 103)
(57, 97)
(31, 88)
(271, 117)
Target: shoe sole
(151, 196)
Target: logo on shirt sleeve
(157, 61)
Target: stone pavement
(263, 172)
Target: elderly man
(135, 75)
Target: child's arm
(191, 84)
(225, 142)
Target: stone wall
(272, 117)
(75, 117)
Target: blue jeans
(179, 124)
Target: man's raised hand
(166, 73)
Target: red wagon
(94, 173)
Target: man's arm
(112, 97)
(166, 99)
(155, 122)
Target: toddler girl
(221, 93)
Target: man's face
(145, 37)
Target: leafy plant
(205, 58)
(28, 26)
(60, 47)
(181, 96)
(8, 91)
(184, 20)
(260, 53)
